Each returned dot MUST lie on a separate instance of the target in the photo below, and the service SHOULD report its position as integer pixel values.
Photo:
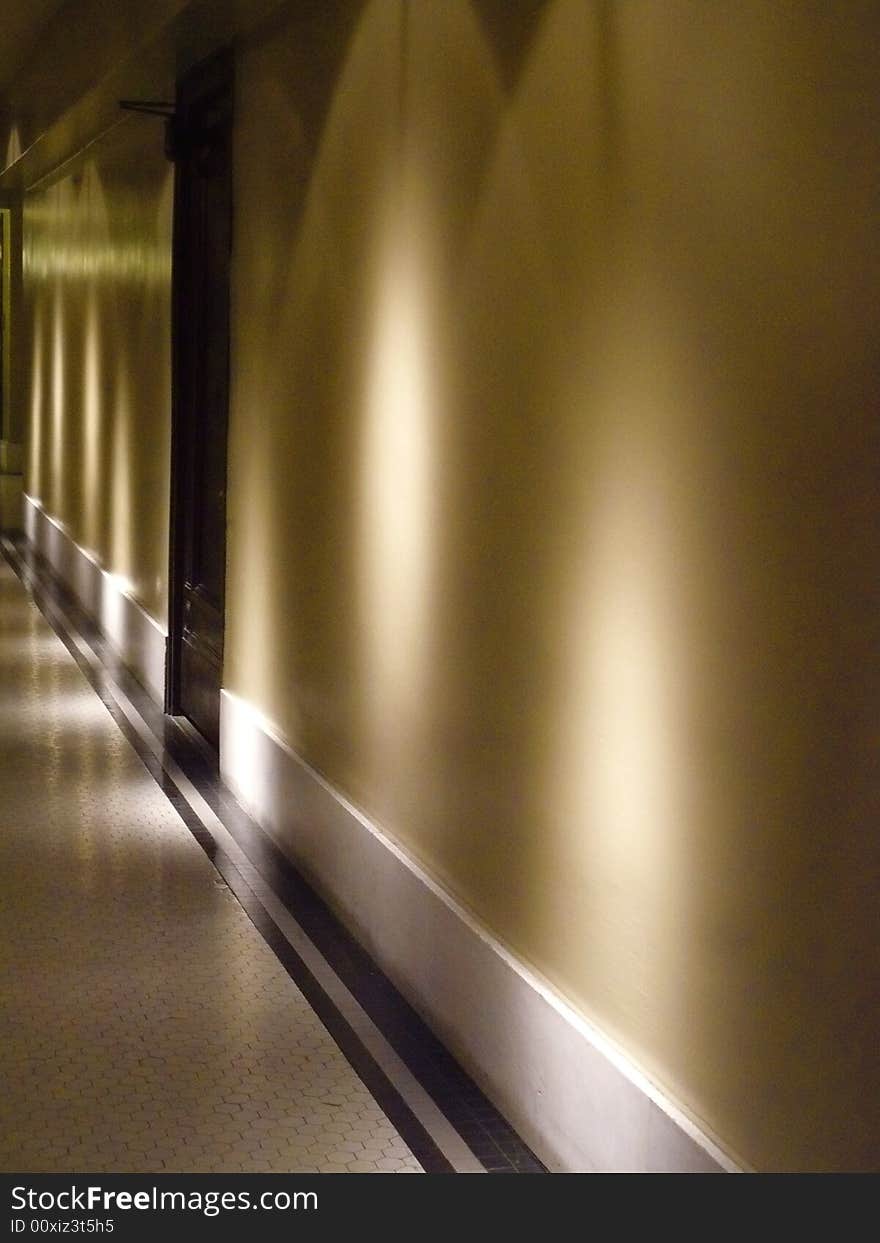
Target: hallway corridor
(149, 1022)
(440, 623)
(146, 1024)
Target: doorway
(5, 310)
(202, 149)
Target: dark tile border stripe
(494, 1142)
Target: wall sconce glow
(623, 763)
(121, 505)
(35, 480)
(626, 637)
(397, 486)
(56, 481)
(120, 584)
(91, 420)
(13, 146)
(242, 728)
(114, 590)
(133, 262)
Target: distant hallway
(147, 1024)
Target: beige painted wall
(553, 503)
(97, 268)
(553, 507)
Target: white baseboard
(572, 1094)
(575, 1097)
(137, 637)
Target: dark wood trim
(175, 550)
(215, 73)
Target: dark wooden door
(202, 244)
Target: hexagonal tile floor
(146, 1026)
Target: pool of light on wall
(397, 484)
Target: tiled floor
(173, 996)
(146, 1025)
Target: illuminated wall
(553, 517)
(97, 269)
(553, 502)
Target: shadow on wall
(97, 264)
(535, 516)
(421, 265)
(552, 500)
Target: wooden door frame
(5, 322)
